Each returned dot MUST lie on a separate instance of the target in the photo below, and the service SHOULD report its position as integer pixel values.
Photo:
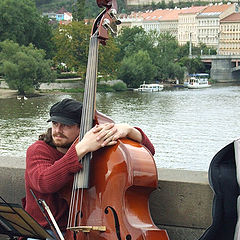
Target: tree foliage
(72, 44)
(89, 7)
(166, 53)
(78, 10)
(162, 50)
(22, 23)
(169, 59)
(192, 65)
(24, 68)
(136, 69)
(131, 40)
(107, 64)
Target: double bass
(109, 199)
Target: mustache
(59, 135)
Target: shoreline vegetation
(70, 85)
(8, 93)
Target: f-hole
(117, 225)
(128, 237)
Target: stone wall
(181, 204)
(221, 70)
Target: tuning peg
(106, 25)
(113, 15)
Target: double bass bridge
(87, 229)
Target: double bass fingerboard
(88, 111)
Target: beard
(65, 145)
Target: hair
(47, 137)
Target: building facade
(151, 20)
(63, 15)
(187, 25)
(169, 22)
(161, 21)
(217, 25)
(208, 22)
(229, 37)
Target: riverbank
(7, 93)
(65, 86)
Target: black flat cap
(68, 111)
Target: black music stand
(16, 222)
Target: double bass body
(115, 206)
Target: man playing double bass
(52, 161)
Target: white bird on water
(24, 97)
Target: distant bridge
(224, 68)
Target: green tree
(166, 47)
(24, 68)
(162, 49)
(206, 50)
(72, 43)
(171, 4)
(166, 51)
(136, 69)
(162, 5)
(91, 9)
(78, 10)
(183, 50)
(22, 23)
(43, 38)
(179, 71)
(131, 40)
(193, 65)
(107, 62)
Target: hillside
(91, 7)
(54, 5)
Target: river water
(187, 127)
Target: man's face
(64, 135)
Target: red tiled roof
(155, 15)
(217, 8)
(166, 14)
(194, 9)
(61, 11)
(68, 13)
(234, 17)
(172, 15)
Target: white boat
(152, 87)
(198, 80)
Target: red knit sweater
(47, 171)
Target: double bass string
(91, 81)
(82, 177)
